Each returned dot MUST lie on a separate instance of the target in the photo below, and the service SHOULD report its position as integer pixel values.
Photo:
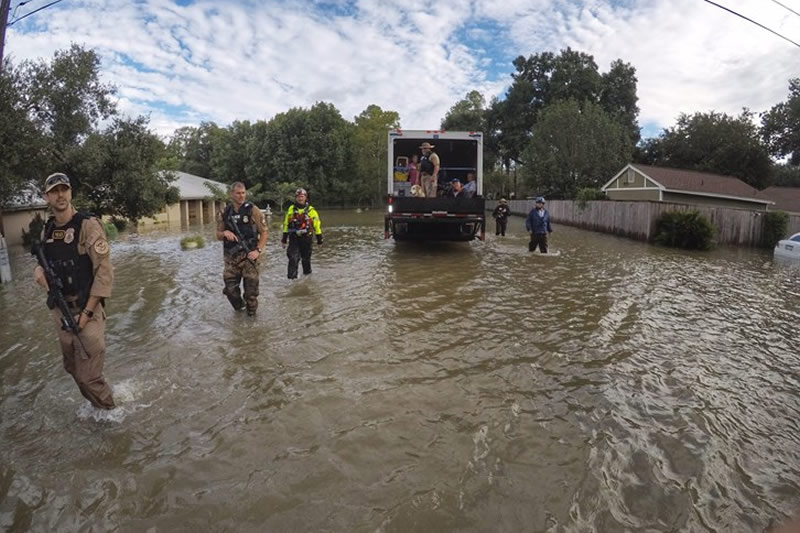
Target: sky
(186, 61)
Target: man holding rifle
(244, 235)
(75, 268)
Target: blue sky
(187, 61)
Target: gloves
(319, 239)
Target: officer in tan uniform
(76, 247)
(243, 232)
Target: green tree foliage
(618, 97)
(194, 148)
(785, 176)
(780, 126)
(544, 79)
(309, 146)
(774, 229)
(468, 114)
(574, 147)
(121, 176)
(21, 143)
(370, 139)
(47, 109)
(684, 229)
(589, 194)
(712, 142)
(66, 101)
(229, 153)
(283, 193)
(472, 114)
(34, 230)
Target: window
(796, 238)
(631, 176)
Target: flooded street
(448, 387)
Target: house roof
(785, 198)
(191, 187)
(678, 180)
(30, 197)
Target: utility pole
(5, 7)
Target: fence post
(5, 264)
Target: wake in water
(125, 393)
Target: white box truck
(439, 218)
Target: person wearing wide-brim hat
(429, 169)
(500, 215)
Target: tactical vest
(300, 224)
(426, 165)
(245, 224)
(73, 269)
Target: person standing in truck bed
(429, 169)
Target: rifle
(55, 293)
(238, 234)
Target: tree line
(561, 127)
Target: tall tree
(574, 146)
(22, 145)
(229, 153)
(468, 114)
(370, 137)
(713, 142)
(544, 79)
(472, 114)
(66, 101)
(618, 97)
(309, 146)
(121, 176)
(780, 126)
(194, 147)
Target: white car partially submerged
(789, 248)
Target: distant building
(674, 185)
(16, 215)
(785, 198)
(196, 205)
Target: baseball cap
(455, 180)
(56, 179)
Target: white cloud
(224, 61)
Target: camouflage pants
(238, 268)
(83, 359)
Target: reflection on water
(402, 387)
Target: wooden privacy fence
(636, 220)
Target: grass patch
(111, 230)
(195, 241)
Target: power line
(787, 8)
(32, 12)
(753, 21)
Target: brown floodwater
(462, 387)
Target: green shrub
(684, 229)
(195, 241)
(774, 228)
(111, 230)
(588, 194)
(34, 230)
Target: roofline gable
(632, 166)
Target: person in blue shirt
(471, 187)
(538, 225)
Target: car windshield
(795, 237)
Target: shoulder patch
(101, 247)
